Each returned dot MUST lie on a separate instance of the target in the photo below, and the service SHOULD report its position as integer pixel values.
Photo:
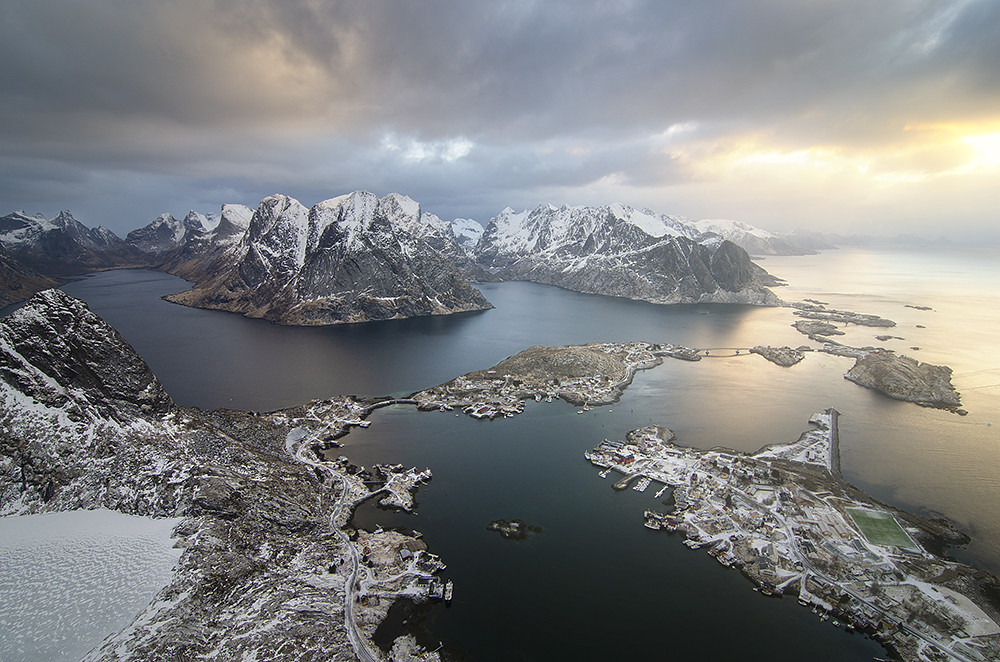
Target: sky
(829, 115)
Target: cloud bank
(838, 115)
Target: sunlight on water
(923, 460)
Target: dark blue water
(595, 583)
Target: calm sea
(595, 584)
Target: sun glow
(987, 147)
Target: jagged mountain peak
(64, 246)
(351, 258)
(64, 219)
(618, 250)
(166, 232)
(196, 222)
(238, 215)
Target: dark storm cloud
(249, 97)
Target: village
(787, 521)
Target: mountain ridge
(352, 258)
(619, 251)
(63, 246)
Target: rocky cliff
(355, 258)
(264, 568)
(619, 251)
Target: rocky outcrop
(783, 356)
(821, 314)
(355, 258)
(60, 354)
(817, 329)
(64, 246)
(904, 378)
(265, 566)
(593, 374)
(618, 251)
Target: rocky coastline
(267, 561)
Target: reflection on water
(595, 563)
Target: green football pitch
(880, 528)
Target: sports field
(881, 528)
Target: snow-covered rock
(619, 251)
(467, 232)
(166, 232)
(352, 258)
(64, 246)
(753, 240)
(262, 570)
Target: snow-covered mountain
(64, 246)
(467, 232)
(753, 240)
(166, 232)
(203, 252)
(620, 251)
(87, 425)
(352, 258)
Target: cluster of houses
(791, 532)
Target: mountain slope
(619, 251)
(203, 252)
(166, 232)
(18, 281)
(353, 258)
(753, 240)
(64, 246)
(262, 574)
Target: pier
(623, 483)
(834, 442)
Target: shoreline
(790, 523)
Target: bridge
(736, 351)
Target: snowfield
(70, 579)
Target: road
(358, 641)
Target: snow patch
(69, 579)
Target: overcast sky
(840, 115)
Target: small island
(514, 529)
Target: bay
(595, 582)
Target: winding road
(358, 641)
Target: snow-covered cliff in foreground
(84, 424)
(619, 251)
(354, 258)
